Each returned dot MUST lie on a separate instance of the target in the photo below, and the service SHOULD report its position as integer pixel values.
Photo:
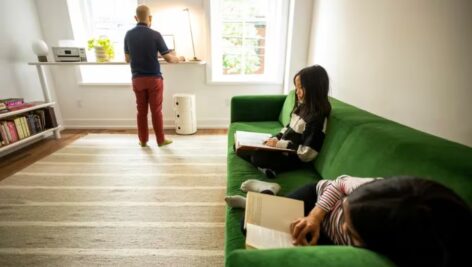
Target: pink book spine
(12, 129)
(14, 102)
(4, 135)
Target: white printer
(69, 54)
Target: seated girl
(412, 221)
(305, 132)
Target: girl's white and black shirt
(305, 135)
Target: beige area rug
(105, 201)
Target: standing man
(141, 47)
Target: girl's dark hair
(315, 82)
(412, 221)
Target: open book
(267, 220)
(254, 141)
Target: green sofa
(357, 143)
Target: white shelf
(27, 139)
(201, 62)
(20, 111)
(4, 150)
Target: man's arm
(127, 58)
(171, 57)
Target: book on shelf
(21, 126)
(12, 133)
(251, 141)
(50, 117)
(3, 134)
(42, 117)
(31, 125)
(21, 106)
(11, 102)
(14, 104)
(3, 107)
(267, 220)
(25, 126)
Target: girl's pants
(274, 160)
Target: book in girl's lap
(305, 131)
(412, 221)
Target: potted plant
(104, 50)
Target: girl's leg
(252, 185)
(307, 194)
(273, 162)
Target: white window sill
(244, 83)
(120, 84)
(202, 62)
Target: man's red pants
(148, 92)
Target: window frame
(81, 28)
(276, 33)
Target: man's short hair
(143, 12)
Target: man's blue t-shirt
(142, 44)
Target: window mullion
(243, 46)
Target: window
(110, 18)
(247, 41)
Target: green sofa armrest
(319, 256)
(256, 107)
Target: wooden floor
(20, 159)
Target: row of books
(12, 104)
(16, 128)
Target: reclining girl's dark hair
(412, 221)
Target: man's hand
(271, 142)
(171, 57)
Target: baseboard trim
(131, 124)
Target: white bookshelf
(12, 114)
(5, 149)
(24, 110)
(48, 102)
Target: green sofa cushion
(319, 256)
(289, 103)
(361, 144)
(256, 108)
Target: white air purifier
(185, 114)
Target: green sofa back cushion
(284, 116)
(362, 144)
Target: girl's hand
(303, 226)
(271, 142)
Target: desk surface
(112, 63)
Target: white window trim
(80, 32)
(276, 78)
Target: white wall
(19, 28)
(113, 106)
(406, 60)
(298, 40)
